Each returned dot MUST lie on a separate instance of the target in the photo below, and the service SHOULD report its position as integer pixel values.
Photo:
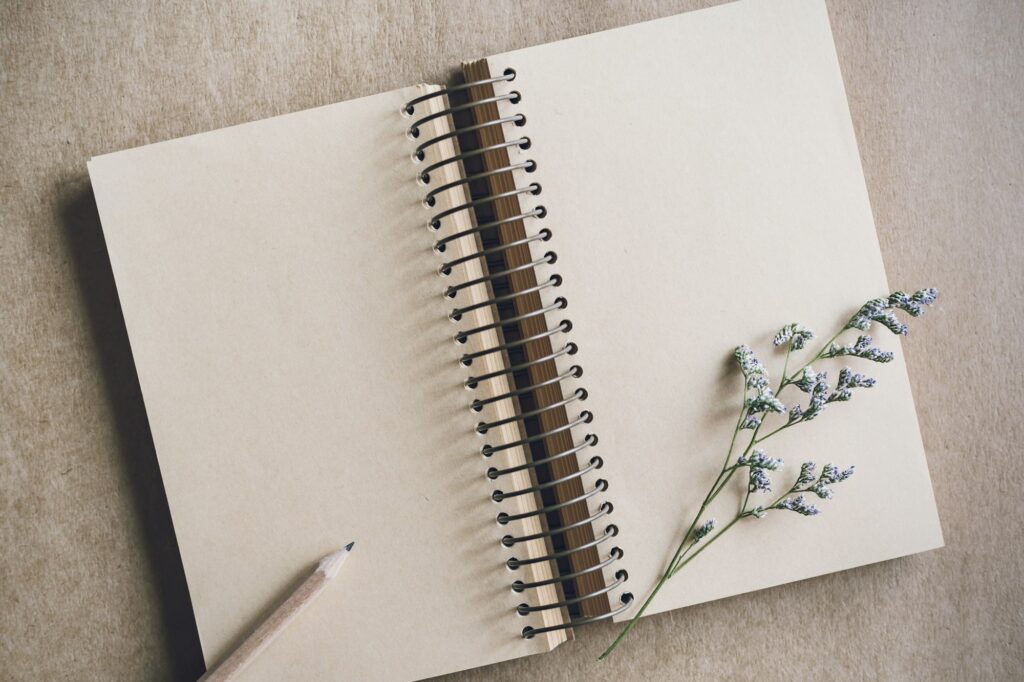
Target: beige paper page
(285, 315)
(704, 188)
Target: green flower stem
(720, 484)
(636, 617)
(785, 365)
(735, 433)
(743, 513)
(682, 560)
(681, 557)
(707, 544)
(781, 428)
(687, 543)
(786, 381)
(746, 498)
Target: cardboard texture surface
(90, 577)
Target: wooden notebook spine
(561, 466)
(441, 173)
(544, 476)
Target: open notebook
(305, 364)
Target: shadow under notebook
(80, 221)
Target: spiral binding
(563, 327)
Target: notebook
(485, 331)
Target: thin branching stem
(875, 310)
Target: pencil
(269, 629)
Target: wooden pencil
(284, 614)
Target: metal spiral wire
(472, 382)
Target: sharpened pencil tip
(331, 564)
(349, 546)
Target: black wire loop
(513, 97)
(441, 244)
(614, 555)
(558, 304)
(424, 176)
(600, 485)
(410, 107)
(574, 372)
(563, 328)
(446, 268)
(609, 532)
(547, 258)
(529, 166)
(568, 349)
(589, 441)
(517, 119)
(603, 510)
(595, 463)
(578, 394)
(435, 222)
(553, 281)
(620, 577)
(626, 600)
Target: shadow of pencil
(81, 224)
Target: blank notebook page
(286, 321)
(704, 187)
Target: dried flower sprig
(760, 402)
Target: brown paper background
(90, 583)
